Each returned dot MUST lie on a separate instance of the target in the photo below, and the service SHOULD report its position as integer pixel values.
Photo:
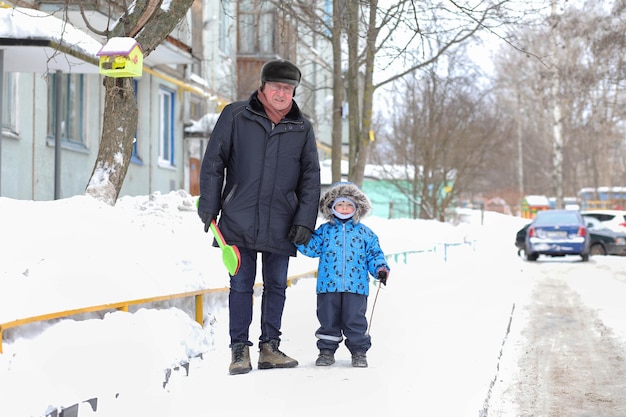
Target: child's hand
(382, 276)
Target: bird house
(121, 57)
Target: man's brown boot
(240, 363)
(271, 357)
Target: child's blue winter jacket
(347, 252)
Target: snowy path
(434, 349)
(437, 331)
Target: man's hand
(300, 235)
(207, 218)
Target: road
(565, 355)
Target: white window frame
(10, 104)
(166, 126)
(73, 110)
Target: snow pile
(78, 252)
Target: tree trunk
(557, 129)
(338, 87)
(352, 12)
(116, 145)
(365, 125)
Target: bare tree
(440, 138)
(389, 40)
(149, 23)
(570, 92)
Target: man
(261, 174)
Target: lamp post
(57, 134)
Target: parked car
(604, 241)
(613, 219)
(557, 233)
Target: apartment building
(212, 58)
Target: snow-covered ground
(437, 328)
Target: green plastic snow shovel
(230, 253)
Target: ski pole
(369, 326)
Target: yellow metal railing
(199, 294)
(123, 305)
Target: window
(266, 33)
(9, 102)
(256, 28)
(246, 28)
(134, 158)
(166, 126)
(71, 111)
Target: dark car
(557, 233)
(603, 240)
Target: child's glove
(382, 276)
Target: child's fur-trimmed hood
(349, 190)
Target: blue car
(557, 233)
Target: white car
(612, 219)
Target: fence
(199, 294)
(123, 305)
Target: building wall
(28, 158)
(149, 174)
(17, 148)
(76, 162)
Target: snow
(437, 329)
(203, 126)
(118, 46)
(23, 23)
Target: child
(348, 251)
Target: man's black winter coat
(262, 179)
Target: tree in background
(436, 141)
(149, 22)
(379, 43)
(588, 64)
